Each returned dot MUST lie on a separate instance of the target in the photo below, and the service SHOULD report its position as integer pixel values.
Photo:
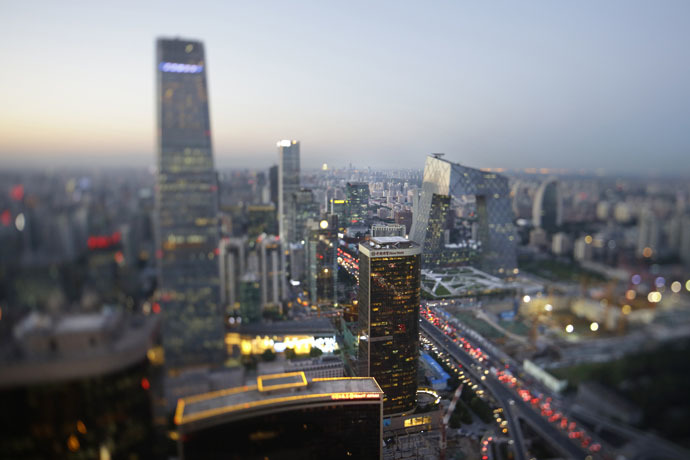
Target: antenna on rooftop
(437, 155)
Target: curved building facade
(547, 209)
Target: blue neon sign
(177, 67)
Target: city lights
(526, 299)
(594, 326)
(626, 309)
(548, 307)
(569, 328)
(676, 287)
(654, 297)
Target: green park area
(479, 325)
(657, 381)
(555, 270)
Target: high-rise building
(495, 229)
(273, 184)
(358, 202)
(388, 327)
(284, 416)
(232, 258)
(288, 184)
(547, 209)
(300, 208)
(387, 230)
(186, 205)
(320, 249)
(271, 271)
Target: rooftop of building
(306, 326)
(74, 345)
(271, 393)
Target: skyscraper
(547, 209)
(495, 229)
(186, 207)
(358, 202)
(389, 295)
(288, 184)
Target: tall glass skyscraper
(186, 207)
(388, 321)
(288, 184)
(495, 232)
(358, 202)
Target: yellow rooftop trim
(264, 384)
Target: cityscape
(376, 299)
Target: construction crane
(444, 423)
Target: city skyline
(532, 86)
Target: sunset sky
(587, 84)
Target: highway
(518, 409)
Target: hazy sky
(582, 84)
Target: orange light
(647, 252)
(156, 307)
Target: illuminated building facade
(358, 202)
(288, 184)
(301, 336)
(78, 387)
(495, 230)
(389, 296)
(547, 209)
(284, 416)
(186, 207)
(338, 207)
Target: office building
(320, 250)
(300, 207)
(494, 217)
(388, 328)
(547, 209)
(288, 184)
(273, 184)
(284, 416)
(378, 230)
(186, 207)
(271, 272)
(232, 259)
(358, 202)
(78, 386)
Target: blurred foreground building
(186, 207)
(78, 386)
(284, 416)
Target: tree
(268, 355)
(315, 352)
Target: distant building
(322, 270)
(338, 207)
(78, 386)
(495, 230)
(582, 249)
(186, 208)
(271, 271)
(388, 230)
(301, 207)
(273, 183)
(648, 234)
(288, 184)
(261, 218)
(358, 202)
(388, 319)
(313, 368)
(547, 210)
(404, 217)
(232, 259)
(284, 416)
(561, 244)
